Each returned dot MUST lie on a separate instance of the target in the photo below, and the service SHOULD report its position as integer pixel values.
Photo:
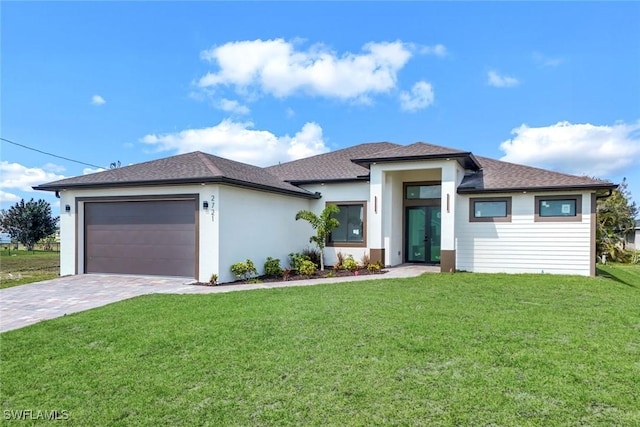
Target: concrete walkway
(28, 304)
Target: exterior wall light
(205, 205)
(67, 208)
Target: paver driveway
(27, 304)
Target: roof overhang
(155, 183)
(361, 178)
(594, 187)
(467, 160)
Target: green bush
(307, 267)
(374, 267)
(296, 259)
(272, 267)
(312, 255)
(244, 270)
(350, 264)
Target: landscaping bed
(292, 277)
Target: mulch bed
(292, 277)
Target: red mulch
(319, 275)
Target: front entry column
(374, 216)
(448, 248)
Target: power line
(50, 154)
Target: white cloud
(97, 100)
(580, 149)
(52, 167)
(239, 141)
(421, 96)
(437, 50)
(498, 80)
(278, 68)
(8, 197)
(233, 106)
(87, 171)
(546, 61)
(17, 176)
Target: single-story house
(196, 214)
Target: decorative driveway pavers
(28, 304)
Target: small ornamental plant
(307, 268)
(244, 270)
(350, 264)
(272, 267)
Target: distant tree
(28, 222)
(323, 224)
(615, 218)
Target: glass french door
(422, 234)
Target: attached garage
(146, 237)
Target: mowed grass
(20, 267)
(438, 350)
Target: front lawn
(462, 349)
(20, 267)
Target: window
(414, 192)
(490, 209)
(352, 228)
(558, 208)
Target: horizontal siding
(523, 245)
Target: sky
(547, 84)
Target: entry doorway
(422, 234)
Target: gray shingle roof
(332, 166)
(196, 167)
(419, 151)
(497, 176)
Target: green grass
(628, 274)
(20, 267)
(438, 350)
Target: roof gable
(419, 151)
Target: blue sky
(554, 85)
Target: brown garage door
(141, 237)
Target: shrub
(312, 255)
(365, 260)
(244, 270)
(296, 259)
(374, 267)
(340, 262)
(272, 267)
(350, 264)
(307, 267)
(286, 273)
(214, 279)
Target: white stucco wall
(523, 245)
(340, 192)
(256, 225)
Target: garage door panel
(141, 237)
(142, 251)
(136, 236)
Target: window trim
(472, 210)
(362, 244)
(576, 218)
